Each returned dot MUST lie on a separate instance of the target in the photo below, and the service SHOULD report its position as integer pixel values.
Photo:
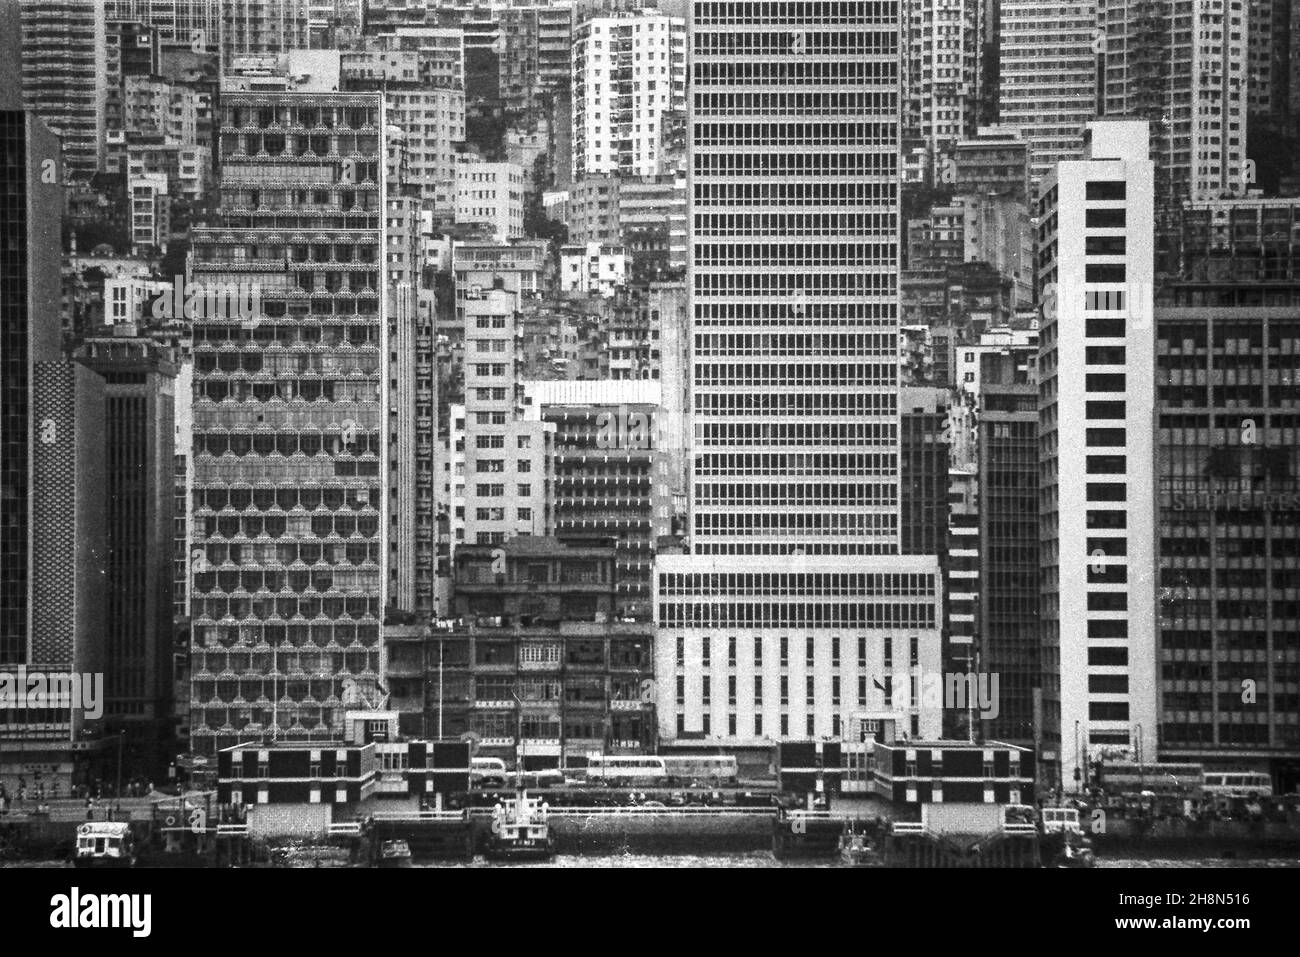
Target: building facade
(289, 536)
(1096, 402)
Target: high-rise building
(508, 459)
(51, 452)
(1228, 379)
(64, 76)
(290, 428)
(180, 23)
(1008, 534)
(259, 27)
(1181, 66)
(795, 339)
(942, 46)
(628, 71)
(610, 471)
(139, 418)
(1096, 381)
(1048, 76)
(1274, 28)
(786, 609)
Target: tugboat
(520, 831)
(1064, 843)
(104, 844)
(395, 854)
(860, 846)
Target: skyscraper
(628, 71)
(1181, 66)
(289, 537)
(1096, 405)
(792, 275)
(1048, 76)
(64, 76)
(794, 280)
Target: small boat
(104, 844)
(395, 854)
(1064, 842)
(859, 850)
(520, 831)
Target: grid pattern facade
(289, 531)
(1229, 421)
(1048, 76)
(794, 124)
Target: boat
(1064, 843)
(105, 844)
(861, 849)
(520, 831)
(395, 854)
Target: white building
(507, 458)
(790, 647)
(628, 70)
(1047, 72)
(1096, 433)
(491, 193)
(127, 298)
(150, 212)
(592, 269)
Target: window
(1105, 190)
(1104, 245)
(1105, 218)
(1104, 272)
(525, 465)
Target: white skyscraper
(1048, 76)
(628, 71)
(793, 617)
(1096, 428)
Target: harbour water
(764, 859)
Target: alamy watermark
(240, 301)
(22, 688)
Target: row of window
(765, 614)
(793, 374)
(796, 465)
(795, 433)
(796, 254)
(772, 73)
(884, 584)
(798, 403)
(796, 164)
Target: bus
(709, 770)
(487, 773)
(1237, 784)
(616, 770)
(1159, 778)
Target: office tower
(139, 417)
(610, 474)
(1048, 76)
(1181, 66)
(1228, 363)
(963, 588)
(1096, 483)
(768, 630)
(51, 450)
(1008, 533)
(290, 360)
(508, 459)
(628, 71)
(795, 356)
(64, 70)
(260, 27)
(942, 43)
